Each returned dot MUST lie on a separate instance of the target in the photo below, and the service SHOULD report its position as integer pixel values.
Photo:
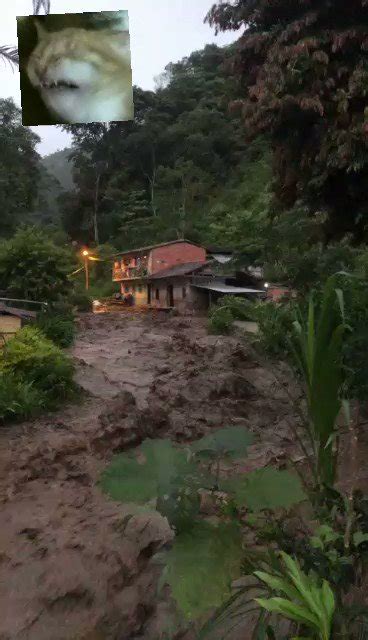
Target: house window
(157, 294)
(126, 289)
(184, 292)
(133, 288)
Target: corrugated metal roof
(19, 313)
(225, 288)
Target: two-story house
(179, 274)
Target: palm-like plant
(10, 53)
(318, 350)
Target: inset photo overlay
(75, 68)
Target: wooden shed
(13, 319)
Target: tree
(19, 167)
(33, 267)
(302, 66)
(240, 216)
(163, 168)
(186, 183)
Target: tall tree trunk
(183, 213)
(95, 218)
(152, 180)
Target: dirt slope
(75, 565)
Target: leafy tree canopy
(19, 167)
(159, 172)
(303, 68)
(33, 267)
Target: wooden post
(86, 271)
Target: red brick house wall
(277, 293)
(170, 255)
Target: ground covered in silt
(74, 564)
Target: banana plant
(317, 347)
(304, 601)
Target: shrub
(241, 308)
(57, 324)
(33, 267)
(31, 358)
(18, 400)
(81, 300)
(275, 327)
(356, 341)
(104, 289)
(221, 320)
(228, 309)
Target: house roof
(19, 313)
(179, 270)
(152, 246)
(224, 288)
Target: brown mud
(75, 565)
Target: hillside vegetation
(60, 166)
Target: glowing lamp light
(85, 253)
(266, 285)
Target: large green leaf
(201, 565)
(231, 441)
(266, 489)
(154, 469)
(289, 610)
(307, 603)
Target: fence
(28, 302)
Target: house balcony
(130, 273)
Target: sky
(160, 32)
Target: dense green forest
(260, 146)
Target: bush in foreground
(18, 400)
(31, 359)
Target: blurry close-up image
(75, 68)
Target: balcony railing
(129, 273)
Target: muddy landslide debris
(75, 565)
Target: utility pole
(85, 255)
